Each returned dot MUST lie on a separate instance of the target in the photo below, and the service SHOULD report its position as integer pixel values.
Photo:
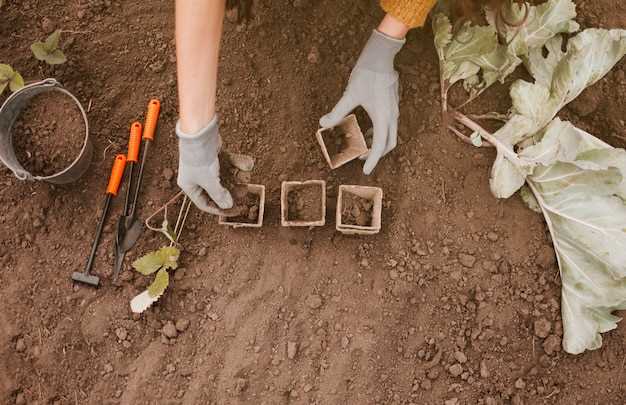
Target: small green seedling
(11, 78)
(158, 262)
(48, 51)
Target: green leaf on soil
(49, 51)
(16, 83)
(169, 257)
(149, 263)
(10, 77)
(581, 195)
(165, 258)
(159, 285)
(52, 42)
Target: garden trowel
(129, 227)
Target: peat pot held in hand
(303, 203)
(44, 134)
(251, 215)
(359, 210)
(343, 143)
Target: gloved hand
(373, 85)
(199, 169)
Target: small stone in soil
(304, 203)
(169, 330)
(292, 350)
(467, 260)
(20, 346)
(182, 325)
(542, 327)
(356, 210)
(460, 357)
(552, 345)
(121, 333)
(314, 55)
(168, 174)
(314, 301)
(456, 370)
(20, 399)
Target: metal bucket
(9, 112)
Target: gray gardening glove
(199, 168)
(374, 86)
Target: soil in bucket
(49, 134)
(304, 203)
(356, 210)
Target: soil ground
(457, 299)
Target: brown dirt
(454, 282)
(248, 209)
(356, 210)
(334, 140)
(304, 203)
(235, 181)
(49, 134)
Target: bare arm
(198, 36)
(393, 27)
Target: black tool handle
(96, 240)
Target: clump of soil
(304, 203)
(49, 134)
(356, 210)
(247, 209)
(335, 141)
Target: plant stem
(507, 150)
(466, 139)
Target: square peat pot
(343, 143)
(303, 203)
(235, 222)
(363, 210)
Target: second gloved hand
(374, 86)
(199, 168)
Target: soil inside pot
(305, 203)
(335, 141)
(248, 209)
(49, 134)
(356, 210)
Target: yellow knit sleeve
(411, 12)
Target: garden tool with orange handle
(117, 173)
(132, 226)
(134, 143)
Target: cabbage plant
(577, 181)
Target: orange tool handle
(152, 116)
(134, 142)
(117, 173)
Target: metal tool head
(133, 230)
(86, 278)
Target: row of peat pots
(303, 203)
